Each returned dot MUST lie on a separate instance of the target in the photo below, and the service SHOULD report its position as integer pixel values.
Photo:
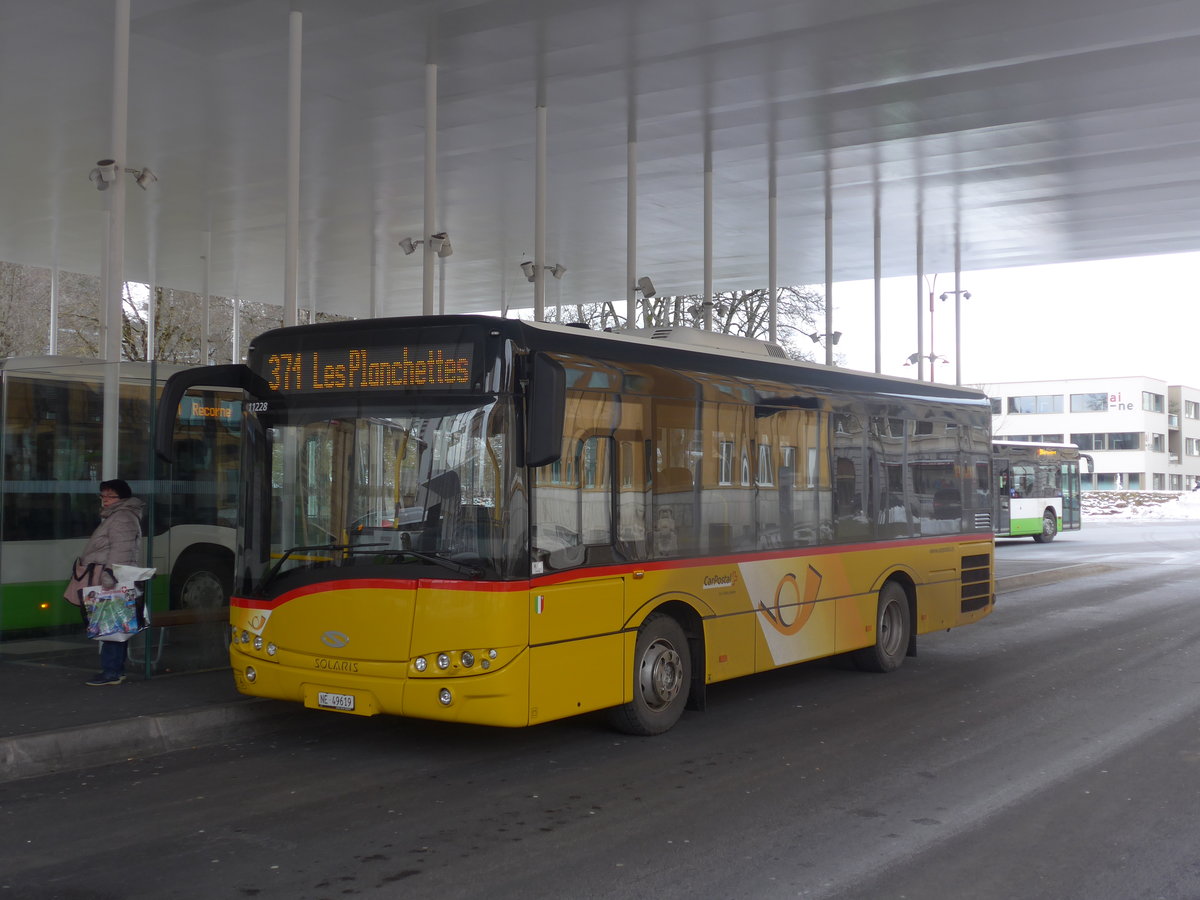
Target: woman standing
(116, 541)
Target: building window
(1036, 403)
(997, 405)
(725, 475)
(1191, 409)
(1117, 440)
(766, 473)
(1191, 446)
(1031, 438)
(1089, 403)
(1152, 402)
(1159, 481)
(1158, 443)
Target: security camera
(440, 244)
(646, 286)
(559, 270)
(966, 295)
(528, 268)
(144, 177)
(104, 174)
(407, 245)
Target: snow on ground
(1141, 505)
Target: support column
(920, 285)
(291, 264)
(115, 265)
(54, 305)
(631, 275)
(957, 294)
(708, 240)
(205, 302)
(828, 260)
(539, 220)
(878, 280)
(429, 255)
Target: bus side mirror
(228, 376)
(547, 400)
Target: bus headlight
(443, 660)
(258, 642)
(468, 659)
(251, 674)
(445, 697)
(420, 664)
(272, 649)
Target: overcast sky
(1138, 316)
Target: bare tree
(24, 310)
(744, 313)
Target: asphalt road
(1052, 751)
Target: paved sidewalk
(52, 721)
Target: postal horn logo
(335, 639)
(794, 603)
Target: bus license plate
(335, 701)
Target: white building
(1142, 433)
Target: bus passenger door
(576, 647)
(1003, 476)
(1071, 512)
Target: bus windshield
(382, 488)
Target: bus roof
(722, 354)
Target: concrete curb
(1049, 576)
(65, 749)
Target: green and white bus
(52, 411)
(1037, 488)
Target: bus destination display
(419, 367)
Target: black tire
(893, 630)
(201, 583)
(662, 677)
(1049, 528)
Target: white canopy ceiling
(1050, 131)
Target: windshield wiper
(273, 572)
(348, 549)
(452, 564)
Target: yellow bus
(492, 521)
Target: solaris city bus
(502, 522)
(1037, 488)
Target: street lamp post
(914, 358)
(959, 296)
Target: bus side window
(672, 511)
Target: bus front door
(1003, 492)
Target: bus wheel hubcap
(661, 675)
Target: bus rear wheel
(893, 630)
(662, 674)
(1049, 528)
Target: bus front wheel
(893, 629)
(1049, 528)
(662, 674)
(200, 582)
